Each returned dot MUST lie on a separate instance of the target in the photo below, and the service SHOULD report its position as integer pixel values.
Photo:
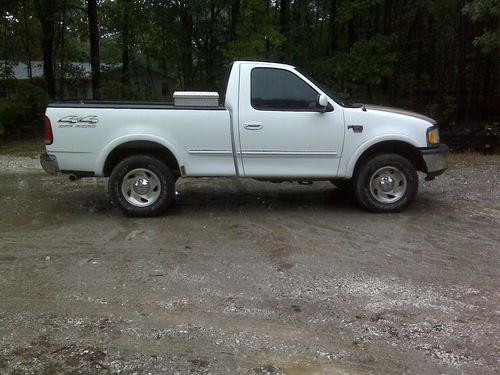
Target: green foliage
(367, 64)
(489, 41)
(15, 117)
(478, 9)
(384, 51)
(350, 9)
(23, 113)
(264, 44)
(31, 95)
(114, 90)
(484, 10)
(258, 35)
(6, 70)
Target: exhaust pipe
(74, 177)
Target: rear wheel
(386, 183)
(142, 185)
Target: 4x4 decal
(78, 122)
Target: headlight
(433, 136)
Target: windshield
(325, 89)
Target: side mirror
(322, 103)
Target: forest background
(441, 58)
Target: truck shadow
(73, 201)
(234, 198)
(281, 199)
(226, 199)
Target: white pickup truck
(276, 124)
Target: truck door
(282, 133)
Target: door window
(280, 90)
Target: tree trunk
(387, 17)
(45, 13)
(235, 14)
(149, 79)
(461, 93)
(61, 61)
(187, 54)
(48, 61)
(125, 41)
(351, 34)
(376, 19)
(486, 105)
(28, 41)
(211, 44)
(94, 48)
(417, 42)
(284, 24)
(333, 35)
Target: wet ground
(244, 277)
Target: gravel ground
(243, 277)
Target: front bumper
(49, 163)
(435, 159)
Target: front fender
(349, 165)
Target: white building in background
(77, 82)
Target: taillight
(48, 138)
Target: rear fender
(101, 160)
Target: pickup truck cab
(275, 124)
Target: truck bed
(87, 131)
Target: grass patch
(30, 148)
(470, 158)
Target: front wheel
(142, 186)
(386, 183)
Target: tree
(94, 47)
(46, 11)
(380, 51)
(126, 8)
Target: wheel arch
(113, 154)
(399, 147)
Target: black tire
(370, 192)
(342, 184)
(157, 171)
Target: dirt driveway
(243, 277)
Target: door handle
(253, 125)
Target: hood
(400, 112)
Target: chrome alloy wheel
(141, 187)
(388, 184)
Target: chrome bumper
(436, 160)
(49, 163)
